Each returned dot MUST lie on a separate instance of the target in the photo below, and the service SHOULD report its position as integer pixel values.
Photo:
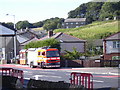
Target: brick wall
(80, 63)
(109, 56)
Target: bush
(72, 55)
(49, 42)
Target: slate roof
(98, 42)
(25, 36)
(6, 31)
(22, 39)
(75, 20)
(28, 41)
(62, 37)
(115, 36)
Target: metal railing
(13, 72)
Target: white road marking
(114, 73)
(44, 76)
(27, 78)
(47, 72)
(25, 71)
(109, 73)
(98, 81)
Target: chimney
(50, 33)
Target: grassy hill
(37, 29)
(96, 30)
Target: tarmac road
(103, 77)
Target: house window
(76, 22)
(82, 23)
(66, 23)
(77, 26)
(67, 27)
(71, 23)
(116, 44)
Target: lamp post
(14, 36)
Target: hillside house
(111, 46)
(74, 22)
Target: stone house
(74, 22)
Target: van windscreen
(52, 54)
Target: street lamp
(13, 18)
(14, 36)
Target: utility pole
(15, 38)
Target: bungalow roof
(64, 38)
(115, 36)
(6, 31)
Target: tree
(109, 10)
(50, 25)
(53, 23)
(8, 25)
(89, 10)
(23, 25)
(49, 42)
(93, 10)
(38, 24)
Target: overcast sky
(36, 10)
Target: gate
(13, 72)
(84, 79)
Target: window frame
(116, 44)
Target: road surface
(102, 77)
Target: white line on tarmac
(98, 81)
(27, 78)
(109, 73)
(36, 76)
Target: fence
(13, 72)
(84, 79)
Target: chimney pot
(50, 33)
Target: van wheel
(31, 65)
(41, 65)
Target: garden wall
(90, 63)
(80, 63)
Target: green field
(37, 29)
(96, 30)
